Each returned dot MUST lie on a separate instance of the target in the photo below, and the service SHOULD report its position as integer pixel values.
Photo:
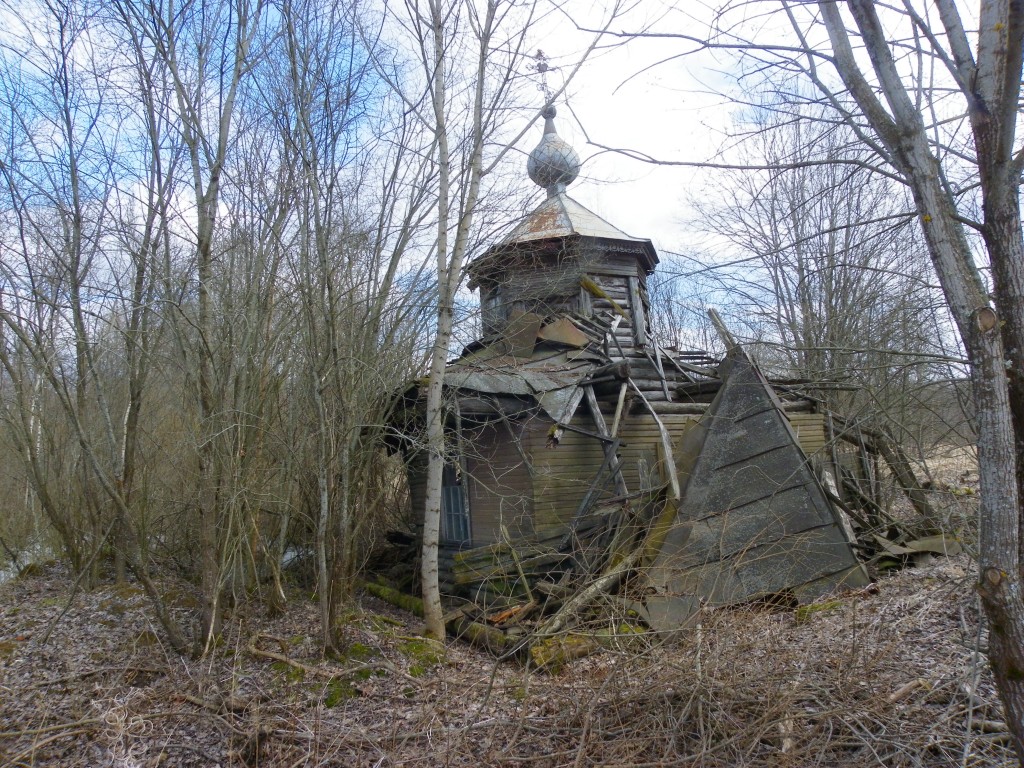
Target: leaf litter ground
(892, 676)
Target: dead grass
(887, 676)
(882, 677)
(893, 675)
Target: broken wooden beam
(617, 371)
(502, 567)
(605, 584)
(612, 444)
(619, 404)
(671, 409)
(698, 409)
(723, 331)
(666, 443)
(898, 461)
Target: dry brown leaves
(888, 676)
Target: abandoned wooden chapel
(579, 448)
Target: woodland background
(230, 232)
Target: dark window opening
(454, 511)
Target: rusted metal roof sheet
(515, 381)
(563, 331)
(550, 228)
(556, 391)
(561, 216)
(523, 363)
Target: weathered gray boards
(753, 520)
(576, 441)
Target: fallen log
(456, 624)
(395, 597)
(553, 653)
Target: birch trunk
(449, 274)
(432, 611)
(489, 77)
(990, 81)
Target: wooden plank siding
(534, 490)
(562, 474)
(500, 482)
(616, 301)
(417, 469)
(810, 432)
(541, 488)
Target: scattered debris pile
(750, 512)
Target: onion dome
(553, 163)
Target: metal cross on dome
(542, 66)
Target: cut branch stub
(986, 319)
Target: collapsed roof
(585, 457)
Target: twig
(77, 584)
(11, 554)
(226, 704)
(93, 673)
(326, 671)
(49, 728)
(36, 745)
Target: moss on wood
(554, 653)
(457, 625)
(598, 292)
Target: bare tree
(66, 290)
(470, 56)
(824, 269)
(937, 105)
(989, 77)
(207, 52)
(444, 44)
(358, 320)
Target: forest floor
(890, 675)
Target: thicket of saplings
(272, 496)
(278, 495)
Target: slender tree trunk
(437, 32)
(209, 506)
(323, 481)
(1002, 233)
(990, 81)
(432, 611)
(1001, 587)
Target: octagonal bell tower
(562, 258)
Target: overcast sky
(622, 99)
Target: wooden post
(723, 331)
(609, 448)
(618, 409)
(666, 442)
(639, 315)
